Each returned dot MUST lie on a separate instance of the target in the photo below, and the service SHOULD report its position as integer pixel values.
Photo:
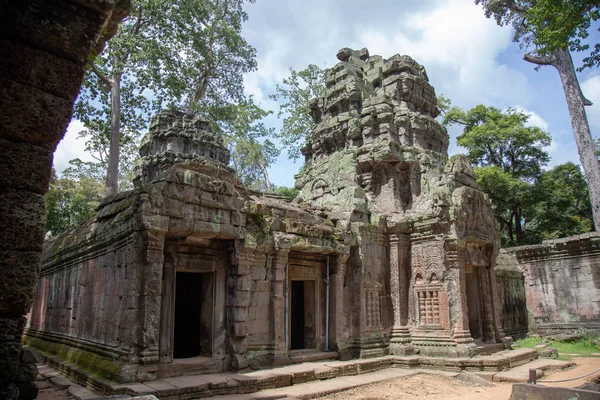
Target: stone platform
(362, 371)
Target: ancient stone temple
(388, 249)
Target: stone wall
(44, 46)
(562, 283)
(510, 284)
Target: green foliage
(200, 56)
(247, 138)
(549, 25)
(185, 54)
(508, 157)
(129, 153)
(530, 205)
(529, 342)
(294, 96)
(584, 347)
(70, 202)
(444, 103)
(500, 138)
(562, 206)
(289, 192)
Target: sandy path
(442, 388)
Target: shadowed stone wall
(562, 282)
(44, 46)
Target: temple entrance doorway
(474, 302)
(193, 315)
(302, 315)
(193, 310)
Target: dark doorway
(297, 315)
(473, 304)
(188, 321)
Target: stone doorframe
(308, 268)
(195, 259)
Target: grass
(583, 348)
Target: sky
(469, 59)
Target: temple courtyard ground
(392, 383)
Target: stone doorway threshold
(311, 355)
(308, 373)
(188, 366)
(486, 349)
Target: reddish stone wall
(562, 282)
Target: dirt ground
(442, 388)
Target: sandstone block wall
(561, 283)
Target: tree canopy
(70, 202)
(507, 156)
(185, 54)
(549, 30)
(294, 94)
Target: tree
(251, 150)
(562, 207)
(296, 92)
(508, 157)
(187, 54)
(112, 100)
(70, 202)
(553, 28)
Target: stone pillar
(455, 257)
(43, 51)
(336, 310)
(499, 334)
(278, 305)
(399, 286)
(238, 302)
(149, 263)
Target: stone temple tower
(389, 248)
(426, 241)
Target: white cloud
(591, 89)
(70, 147)
(459, 47)
(534, 119)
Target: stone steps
(314, 373)
(521, 372)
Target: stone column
(456, 263)
(43, 52)
(149, 263)
(238, 302)
(336, 302)
(278, 304)
(399, 285)
(500, 335)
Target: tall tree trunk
(518, 227)
(266, 175)
(581, 128)
(509, 229)
(112, 173)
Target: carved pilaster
(277, 312)
(399, 248)
(238, 302)
(456, 263)
(150, 260)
